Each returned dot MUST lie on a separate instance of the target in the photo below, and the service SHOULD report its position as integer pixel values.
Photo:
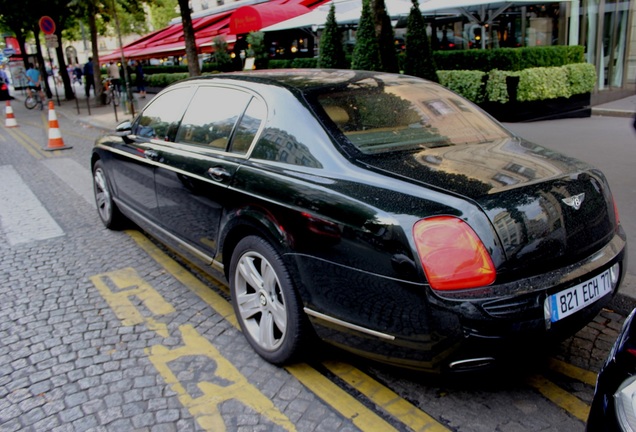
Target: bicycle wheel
(107, 98)
(30, 102)
(116, 97)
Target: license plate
(567, 302)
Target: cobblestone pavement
(103, 330)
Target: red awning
(170, 41)
(253, 18)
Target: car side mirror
(124, 128)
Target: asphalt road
(105, 331)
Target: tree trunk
(61, 62)
(97, 74)
(190, 42)
(42, 63)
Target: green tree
(418, 57)
(331, 53)
(256, 48)
(366, 54)
(161, 12)
(221, 54)
(386, 39)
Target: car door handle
(153, 155)
(218, 173)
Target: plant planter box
(576, 106)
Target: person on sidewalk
(34, 82)
(114, 75)
(139, 79)
(89, 77)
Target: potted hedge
(530, 94)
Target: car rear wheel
(265, 301)
(108, 212)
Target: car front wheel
(265, 301)
(106, 207)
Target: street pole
(129, 95)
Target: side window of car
(160, 119)
(211, 116)
(248, 126)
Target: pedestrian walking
(89, 77)
(114, 75)
(139, 80)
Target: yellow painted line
(230, 383)
(321, 386)
(560, 397)
(384, 397)
(218, 303)
(344, 403)
(577, 373)
(129, 284)
(119, 288)
(25, 142)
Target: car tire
(265, 301)
(106, 208)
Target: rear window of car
(404, 115)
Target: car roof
(303, 80)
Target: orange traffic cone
(11, 121)
(55, 136)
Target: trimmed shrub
(496, 86)
(332, 54)
(514, 59)
(581, 77)
(305, 62)
(543, 83)
(165, 79)
(366, 53)
(280, 64)
(467, 83)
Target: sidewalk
(619, 108)
(99, 116)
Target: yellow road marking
(233, 385)
(25, 142)
(218, 303)
(390, 401)
(560, 397)
(577, 373)
(344, 403)
(119, 288)
(317, 383)
(128, 284)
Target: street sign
(47, 25)
(51, 41)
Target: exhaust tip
(471, 364)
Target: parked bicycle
(112, 92)
(34, 100)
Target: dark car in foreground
(382, 213)
(613, 408)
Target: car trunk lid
(547, 209)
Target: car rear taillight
(452, 255)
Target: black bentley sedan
(382, 213)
